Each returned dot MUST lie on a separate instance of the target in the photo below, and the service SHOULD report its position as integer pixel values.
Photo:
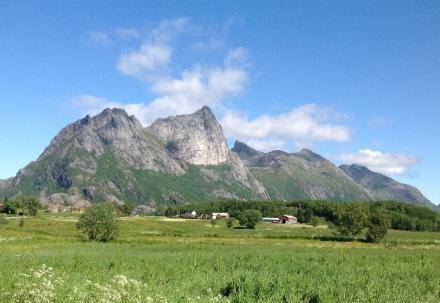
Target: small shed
(288, 219)
(220, 216)
(2, 207)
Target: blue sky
(356, 81)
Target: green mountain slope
(303, 175)
(385, 188)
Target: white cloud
(302, 126)
(236, 56)
(385, 163)
(148, 58)
(98, 38)
(185, 94)
(188, 90)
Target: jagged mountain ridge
(179, 159)
(112, 157)
(383, 187)
(302, 175)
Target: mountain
(383, 187)
(302, 175)
(181, 159)
(111, 157)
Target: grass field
(191, 261)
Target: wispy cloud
(386, 163)
(127, 33)
(148, 58)
(98, 38)
(182, 91)
(302, 126)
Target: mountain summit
(181, 159)
(111, 157)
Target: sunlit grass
(183, 259)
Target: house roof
(290, 217)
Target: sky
(356, 81)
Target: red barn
(288, 219)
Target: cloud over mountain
(386, 163)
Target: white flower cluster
(36, 286)
(120, 289)
(43, 286)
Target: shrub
(377, 227)
(99, 222)
(229, 222)
(124, 209)
(250, 218)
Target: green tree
(99, 222)
(377, 227)
(124, 209)
(250, 218)
(229, 222)
(28, 204)
(351, 220)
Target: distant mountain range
(185, 158)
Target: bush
(377, 227)
(250, 218)
(124, 209)
(351, 221)
(28, 205)
(99, 222)
(229, 222)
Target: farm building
(53, 208)
(271, 220)
(288, 219)
(191, 215)
(220, 215)
(2, 207)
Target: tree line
(398, 215)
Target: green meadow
(175, 260)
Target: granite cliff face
(196, 138)
(302, 175)
(383, 187)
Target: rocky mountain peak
(244, 150)
(310, 155)
(195, 138)
(113, 132)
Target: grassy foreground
(191, 261)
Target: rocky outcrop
(383, 187)
(196, 138)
